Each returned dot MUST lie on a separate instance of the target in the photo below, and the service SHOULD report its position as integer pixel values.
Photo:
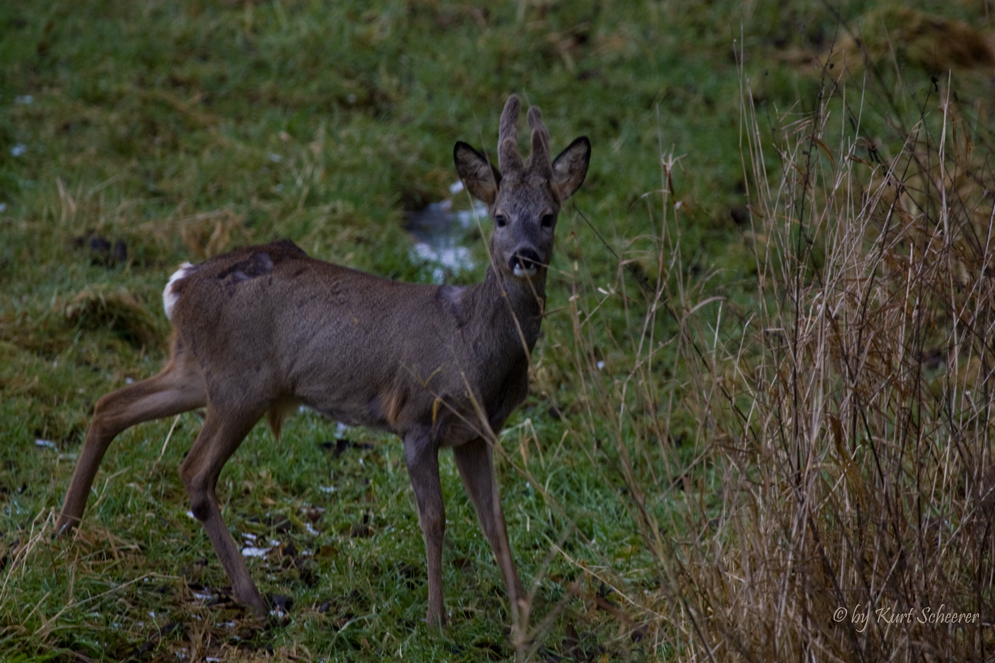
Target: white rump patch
(169, 298)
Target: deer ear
(479, 176)
(570, 168)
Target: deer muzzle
(524, 263)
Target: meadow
(760, 424)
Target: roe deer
(265, 328)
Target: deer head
(523, 199)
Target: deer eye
(501, 220)
(547, 220)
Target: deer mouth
(525, 263)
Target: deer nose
(524, 262)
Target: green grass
(183, 129)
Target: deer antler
(508, 158)
(538, 162)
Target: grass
(762, 395)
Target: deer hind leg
(221, 435)
(178, 388)
(422, 457)
(475, 462)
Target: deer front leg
(218, 440)
(475, 462)
(422, 457)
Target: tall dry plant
(863, 476)
(819, 482)
(865, 480)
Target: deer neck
(514, 305)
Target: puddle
(439, 234)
